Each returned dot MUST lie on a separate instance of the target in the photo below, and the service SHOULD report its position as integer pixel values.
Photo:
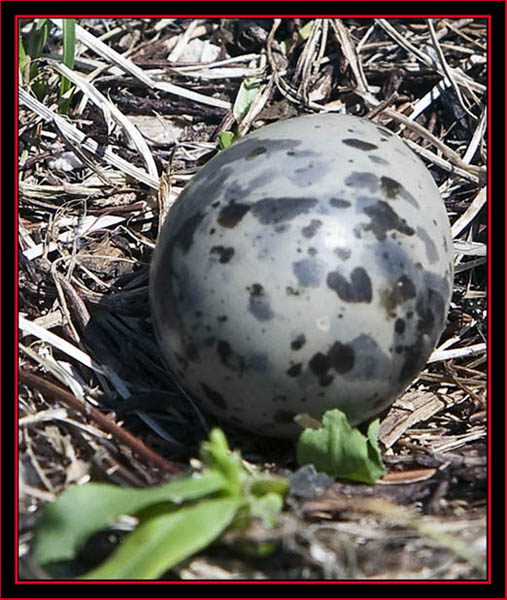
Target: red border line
(278, 582)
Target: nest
(147, 100)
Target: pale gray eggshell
(308, 266)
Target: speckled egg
(308, 266)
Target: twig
(31, 380)
(31, 328)
(110, 111)
(447, 70)
(87, 143)
(127, 65)
(457, 352)
(427, 60)
(469, 215)
(350, 53)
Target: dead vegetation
(149, 99)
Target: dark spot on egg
(357, 289)
(243, 148)
(399, 326)
(259, 303)
(378, 159)
(339, 203)
(359, 144)
(311, 173)
(298, 342)
(270, 211)
(304, 153)
(228, 357)
(383, 219)
(290, 291)
(311, 229)
(256, 152)
(343, 253)
(225, 254)
(258, 362)
(213, 396)
(319, 363)
(406, 195)
(390, 187)
(342, 357)
(362, 180)
(223, 350)
(370, 362)
(402, 290)
(431, 249)
(232, 214)
(309, 271)
(294, 370)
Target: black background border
(298, 589)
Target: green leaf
(266, 507)
(266, 485)
(38, 37)
(69, 50)
(216, 454)
(248, 90)
(175, 519)
(69, 42)
(163, 541)
(225, 139)
(341, 450)
(82, 510)
(374, 453)
(304, 32)
(22, 58)
(36, 42)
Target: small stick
(106, 423)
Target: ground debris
(88, 222)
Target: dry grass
(89, 215)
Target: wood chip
(424, 404)
(398, 477)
